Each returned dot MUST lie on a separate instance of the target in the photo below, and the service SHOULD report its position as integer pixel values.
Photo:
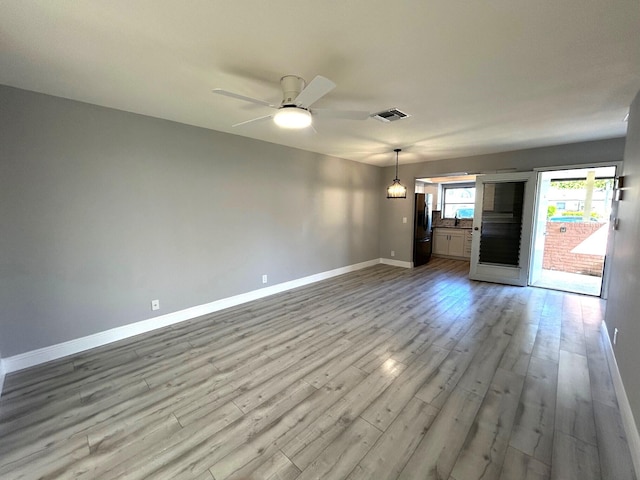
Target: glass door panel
(501, 223)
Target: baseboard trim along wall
(628, 421)
(396, 263)
(2, 374)
(54, 352)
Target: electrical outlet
(155, 304)
(393, 253)
(264, 279)
(404, 219)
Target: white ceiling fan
(297, 97)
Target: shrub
(575, 213)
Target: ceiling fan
(297, 97)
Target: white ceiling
(477, 77)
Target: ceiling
(476, 77)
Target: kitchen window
(458, 200)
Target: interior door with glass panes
(502, 228)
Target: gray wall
(623, 304)
(394, 235)
(103, 211)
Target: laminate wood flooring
(384, 373)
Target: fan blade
(252, 120)
(317, 89)
(227, 93)
(344, 114)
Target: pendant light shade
(396, 189)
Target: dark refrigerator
(422, 229)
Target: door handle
(475, 228)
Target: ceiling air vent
(390, 115)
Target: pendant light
(396, 189)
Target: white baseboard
(2, 374)
(53, 352)
(396, 263)
(628, 421)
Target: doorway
(571, 226)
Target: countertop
(456, 228)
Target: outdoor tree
(602, 184)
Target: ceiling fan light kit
(294, 111)
(290, 116)
(396, 189)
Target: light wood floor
(385, 373)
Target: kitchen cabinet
(467, 243)
(452, 242)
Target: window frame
(453, 186)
